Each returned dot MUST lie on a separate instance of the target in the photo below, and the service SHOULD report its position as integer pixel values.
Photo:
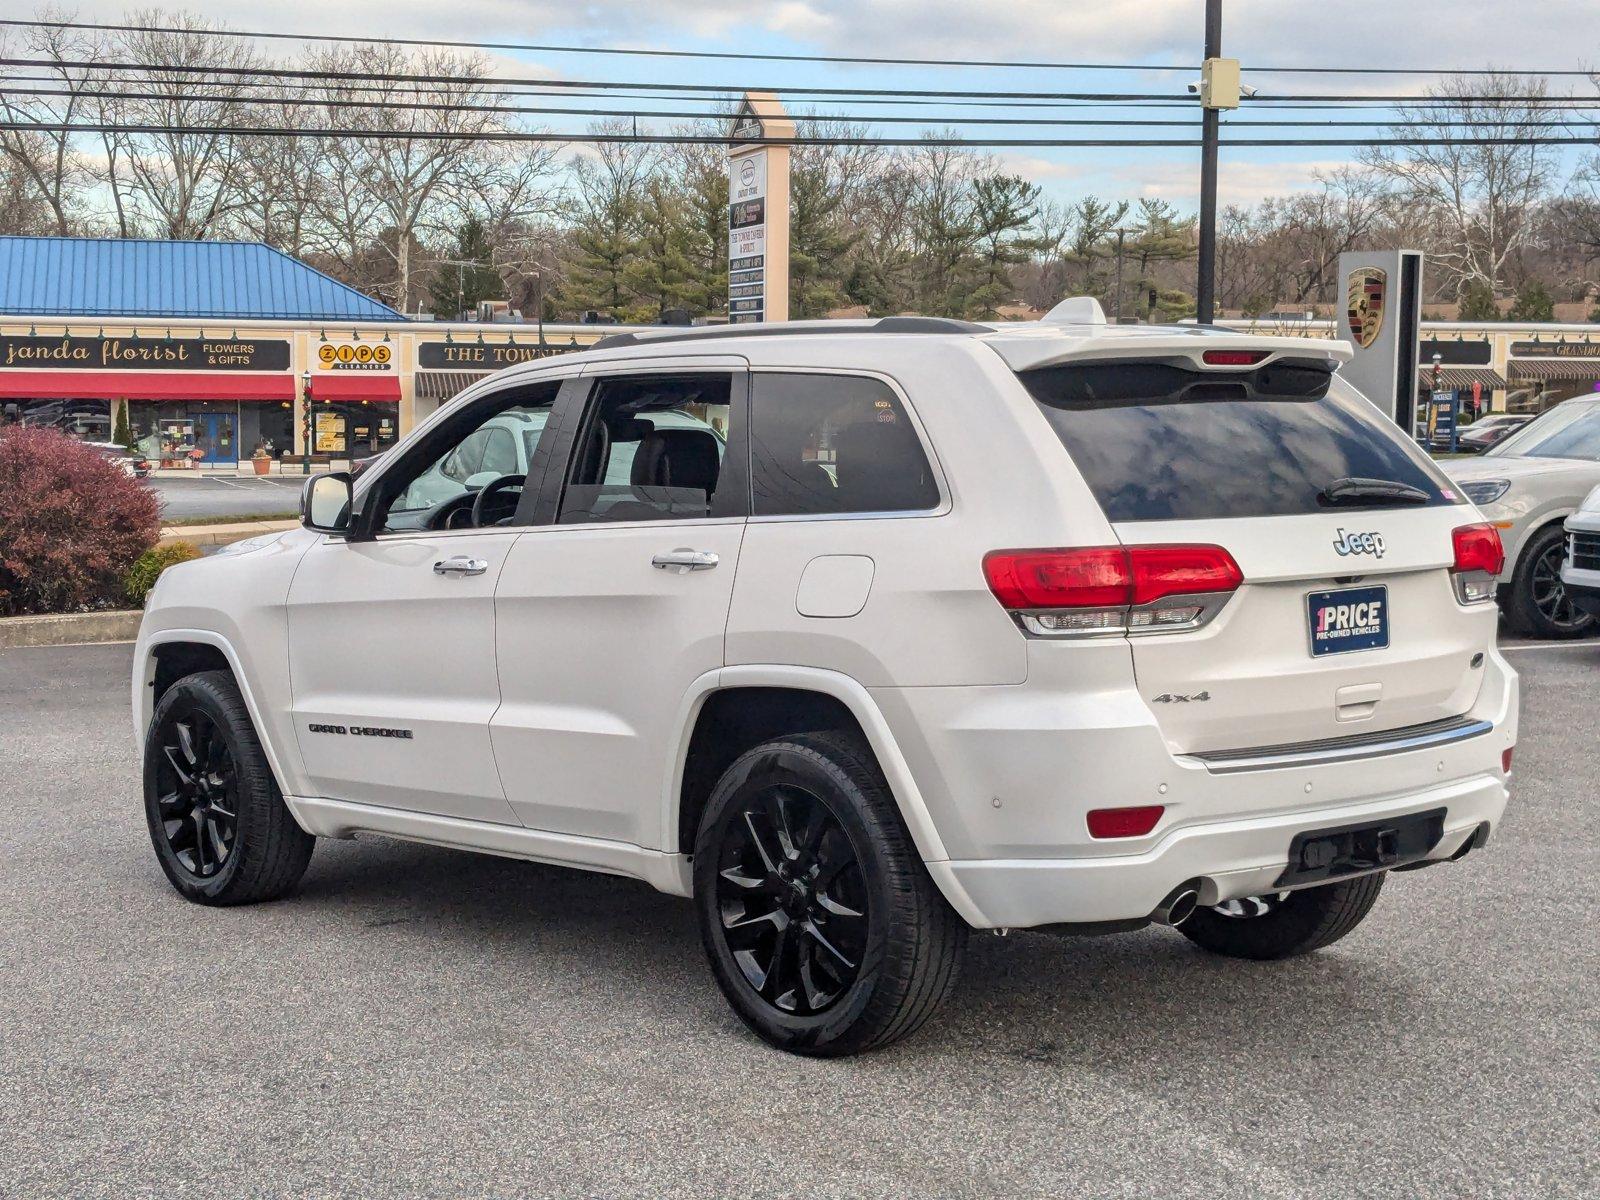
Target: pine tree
(455, 289)
(1533, 303)
(1477, 302)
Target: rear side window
(1160, 442)
(829, 444)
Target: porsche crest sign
(1365, 295)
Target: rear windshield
(1161, 442)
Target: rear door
(1347, 619)
(616, 602)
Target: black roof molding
(616, 341)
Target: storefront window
(89, 420)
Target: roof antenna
(1076, 310)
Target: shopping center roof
(120, 277)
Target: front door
(214, 438)
(392, 636)
(608, 616)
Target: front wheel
(1284, 924)
(221, 831)
(1538, 603)
(822, 927)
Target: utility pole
(1116, 308)
(1219, 89)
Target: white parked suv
(896, 629)
(1580, 569)
(1527, 486)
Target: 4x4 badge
(1175, 698)
(1359, 543)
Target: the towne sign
(482, 356)
(66, 353)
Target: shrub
(71, 524)
(148, 566)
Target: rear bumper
(1228, 860)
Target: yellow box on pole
(1219, 83)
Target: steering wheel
(491, 507)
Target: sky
(1542, 35)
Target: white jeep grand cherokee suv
(895, 630)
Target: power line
(504, 135)
(702, 115)
(756, 56)
(545, 48)
(613, 85)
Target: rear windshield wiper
(1347, 490)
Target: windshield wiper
(1351, 491)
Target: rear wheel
(820, 922)
(218, 822)
(1538, 603)
(1284, 924)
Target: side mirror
(479, 480)
(325, 503)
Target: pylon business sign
(1380, 304)
(758, 211)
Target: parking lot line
(1587, 644)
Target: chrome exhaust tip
(1178, 907)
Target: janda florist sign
(106, 353)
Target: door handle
(683, 560)
(461, 565)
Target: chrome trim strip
(1333, 750)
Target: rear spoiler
(1044, 345)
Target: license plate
(1348, 619)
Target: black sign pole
(1210, 128)
(305, 462)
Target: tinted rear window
(1161, 442)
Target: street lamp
(305, 394)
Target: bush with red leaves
(71, 524)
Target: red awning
(145, 385)
(326, 387)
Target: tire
(221, 831)
(1532, 606)
(1285, 925)
(822, 927)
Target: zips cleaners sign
(758, 212)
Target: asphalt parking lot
(226, 495)
(419, 1021)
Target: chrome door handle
(683, 560)
(461, 565)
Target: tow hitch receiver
(1325, 854)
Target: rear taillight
(1479, 558)
(1232, 358)
(1505, 759)
(1112, 589)
(1124, 822)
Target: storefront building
(206, 354)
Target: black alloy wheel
(1550, 594)
(197, 786)
(221, 831)
(792, 900)
(822, 927)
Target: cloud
(1240, 183)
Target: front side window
(436, 490)
(824, 445)
(653, 448)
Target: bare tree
(1482, 197)
(408, 155)
(49, 164)
(184, 181)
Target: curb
(220, 534)
(70, 629)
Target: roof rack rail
(881, 325)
